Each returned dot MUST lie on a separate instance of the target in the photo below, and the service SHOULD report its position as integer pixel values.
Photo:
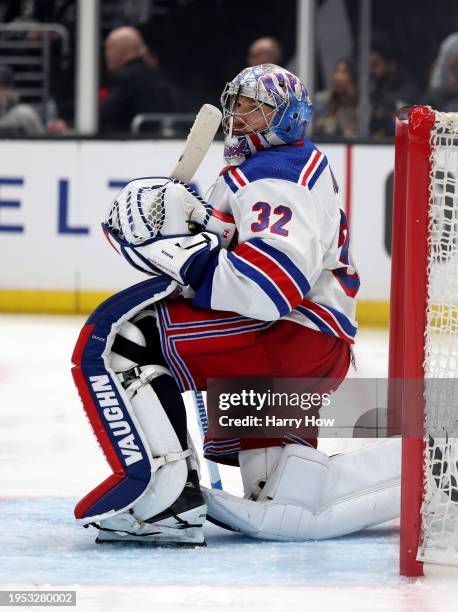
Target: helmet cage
(230, 97)
(276, 87)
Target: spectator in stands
(445, 98)
(391, 88)
(265, 50)
(16, 118)
(134, 85)
(336, 109)
(439, 74)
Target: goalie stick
(212, 467)
(197, 144)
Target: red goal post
(423, 362)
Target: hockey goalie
(257, 282)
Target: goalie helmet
(272, 85)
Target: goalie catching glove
(156, 224)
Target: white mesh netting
(439, 543)
(148, 208)
(138, 213)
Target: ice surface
(45, 528)
(49, 459)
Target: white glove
(208, 218)
(183, 258)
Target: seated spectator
(265, 50)
(133, 85)
(16, 118)
(439, 74)
(335, 109)
(445, 98)
(391, 89)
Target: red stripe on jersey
(222, 216)
(350, 291)
(166, 349)
(184, 315)
(327, 318)
(237, 177)
(310, 168)
(273, 270)
(256, 141)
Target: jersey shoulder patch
(298, 163)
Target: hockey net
(424, 334)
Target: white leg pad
(256, 465)
(298, 477)
(170, 477)
(169, 466)
(310, 496)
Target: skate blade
(148, 541)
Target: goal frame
(408, 307)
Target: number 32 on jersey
(275, 219)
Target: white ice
(49, 459)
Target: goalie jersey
(292, 260)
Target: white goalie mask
(279, 98)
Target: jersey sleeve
(279, 255)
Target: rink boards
(54, 195)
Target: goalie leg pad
(256, 466)
(172, 510)
(107, 405)
(310, 496)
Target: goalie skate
(178, 526)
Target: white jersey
(292, 260)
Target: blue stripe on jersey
(203, 296)
(343, 321)
(352, 282)
(279, 162)
(296, 439)
(318, 172)
(264, 283)
(344, 251)
(325, 327)
(284, 261)
(322, 325)
(230, 183)
(231, 455)
(226, 442)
